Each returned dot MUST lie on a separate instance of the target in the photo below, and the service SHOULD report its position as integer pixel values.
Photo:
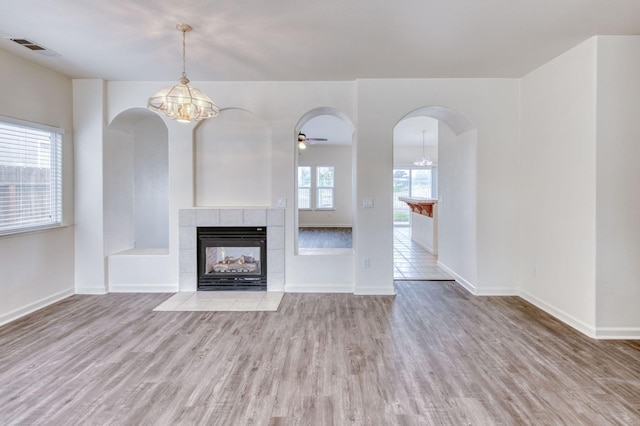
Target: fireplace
(232, 258)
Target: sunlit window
(30, 176)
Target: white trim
(25, 123)
(91, 290)
(32, 230)
(616, 333)
(35, 306)
(374, 291)
(324, 225)
(497, 291)
(137, 288)
(301, 288)
(426, 247)
(464, 283)
(559, 314)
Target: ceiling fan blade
(303, 138)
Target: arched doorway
(438, 242)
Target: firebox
(232, 258)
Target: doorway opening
(415, 197)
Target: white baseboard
(618, 333)
(137, 288)
(91, 290)
(35, 306)
(301, 288)
(374, 291)
(426, 247)
(464, 283)
(559, 314)
(324, 225)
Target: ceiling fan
(303, 140)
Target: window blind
(30, 176)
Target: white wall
(89, 132)
(618, 197)
(119, 175)
(557, 199)
(457, 209)
(280, 105)
(492, 106)
(37, 268)
(151, 184)
(233, 161)
(340, 158)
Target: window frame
(314, 189)
(28, 139)
(308, 188)
(319, 188)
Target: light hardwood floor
(431, 355)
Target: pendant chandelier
(423, 161)
(182, 102)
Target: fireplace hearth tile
(223, 301)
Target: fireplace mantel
(191, 219)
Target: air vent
(32, 45)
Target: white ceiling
(335, 130)
(305, 40)
(408, 132)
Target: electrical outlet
(281, 202)
(367, 203)
(535, 270)
(366, 262)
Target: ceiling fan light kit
(304, 141)
(182, 102)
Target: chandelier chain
(184, 49)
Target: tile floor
(222, 301)
(411, 261)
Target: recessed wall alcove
(136, 182)
(136, 201)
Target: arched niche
(233, 160)
(335, 152)
(455, 140)
(136, 182)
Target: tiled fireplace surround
(190, 219)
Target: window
(304, 187)
(324, 188)
(410, 183)
(316, 190)
(30, 176)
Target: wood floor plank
(433, 354)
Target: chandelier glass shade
(423, 160)
(182, 102)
